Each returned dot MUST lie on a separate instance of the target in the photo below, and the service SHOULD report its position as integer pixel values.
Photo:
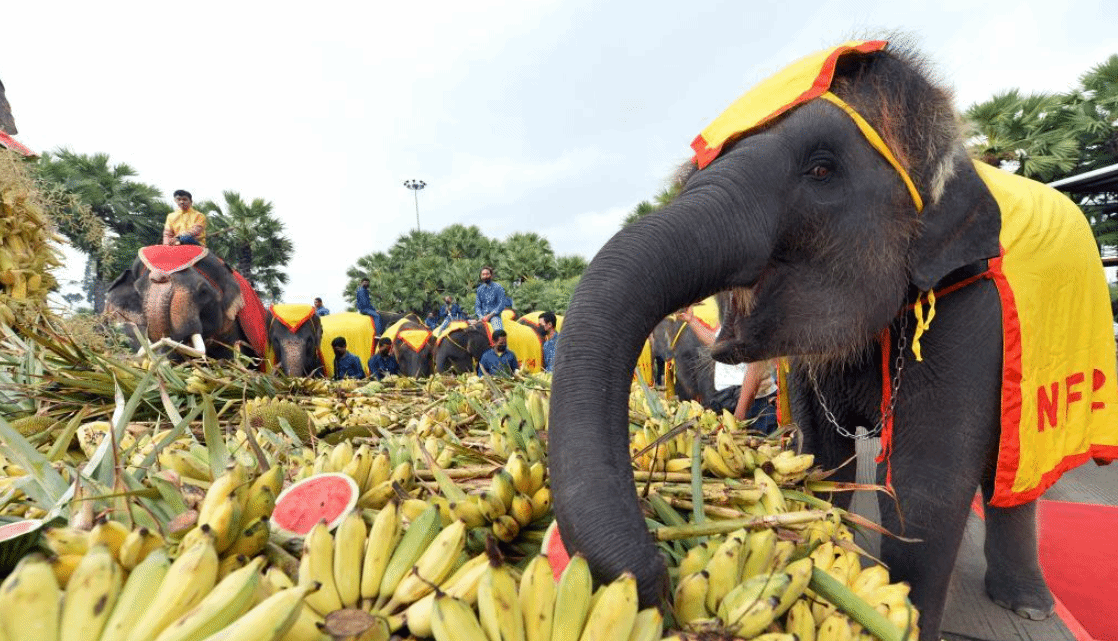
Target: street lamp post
(415, 186)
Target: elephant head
(294, 335)
(817, 213)
(672, 341)
(459, 347)
(196, 305)
(413, 347)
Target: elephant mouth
(737, 305)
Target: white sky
(540, 115)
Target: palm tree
(109, 216)
(1026, 134)
(252, 238)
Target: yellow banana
(261, 502)
(695, 559)
(66, 540)
(382, 540)
(415, 540)
(380, 469)
(90, 595)
(799, 575)
(30, 601)
(431, 568)
(713, 462)
(252, 539)
(454, 620)
(521, 509)
(506, 528)
(64, 567)
(869, 579)
(773, 498)
(467, 510)
(139, 591)
(224, 519)
(503, 485)
(536, 471)
(572, 600)
(691, 598)
(111, 533)
(271, 479)
(220, 490)
(537, 599)
(377, 496)
(187, 582)
(760, 547)
(541, 503)
(724, 568)
(799, 621)
(462, 584)
(520, 472)
(138, 544)
(498, 605)
(648, 626)
(615, 612)
(268, 620)
(730, 452)
(317, 566)
(349, 551)
(229, 599)
(835, 627)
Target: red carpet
(1080, 562)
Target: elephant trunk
(703, 243)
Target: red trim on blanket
(886, 400)
(16, 146)
(705, 154)
(1009, 450)
(291, 328)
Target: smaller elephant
(687, 365)
(294, 339)
(360, 335)
(187, 297)
(461, 345)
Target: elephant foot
(1027, 599)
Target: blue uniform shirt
(497, 364)
(379, 366)
(454, 312)
(490, 300)
(549, 352)
(321, 311)
(364, 303)
(348, 366)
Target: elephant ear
(122, 299)
(962, 227)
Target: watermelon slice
(555, 550)
(16, 540)
(327, 496)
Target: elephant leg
(1013, 576)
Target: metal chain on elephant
(902, 344)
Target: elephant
(359, 333)
(686, 364)
(294, 339)
(461, 345)
(413, 345)
(835, 208)
(7, 122)
(185, 294)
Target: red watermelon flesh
(322, 496)
(556, 552)
(16, 540)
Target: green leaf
(215, 441)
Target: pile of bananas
(28, 244)
(234, 512)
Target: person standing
(490, 300)
(746, 390)
(551, 338)
(365, 305)
(319, 308)
(346, 363)
(186, 225)
(498, 360)
(383, 362)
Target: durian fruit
(32, 425)
(263, 414)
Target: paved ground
(971, 616)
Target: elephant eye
(820, 171)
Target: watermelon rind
(16, 540)
(292, 493)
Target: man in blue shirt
(346, 364)
(383, 362)
(551, 337)
(319, 308)
(499, 359)
(450, 311)
(490, 299)
(365, 305)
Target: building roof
(7, 142)
(1094, 181)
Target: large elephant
(294, 339)
(187, 296)
(830, 202)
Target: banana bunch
(196, 384)
(536, 608)
(368, 411)
(234, 512)
(517, 496)
(69, 547)
(870, 583)
(186, 458)
(28, 244)
(516, 424)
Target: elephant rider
(450, 311)
(346, 363)
(186, 225)
(490, 299)
(365, 305)
(319, 308)
(551, 336)
(383, 362)
(498, 360)
(747, 390)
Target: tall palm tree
(1026, 134)
(109, 216)
(251, 237)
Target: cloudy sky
(550, 116)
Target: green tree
(421, 267)
(250, 237)
(110, 216)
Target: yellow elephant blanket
(358, 332)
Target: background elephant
(413, 344)
(825, 237)
(459, 346)
(7, 122)
(188, 295)
(359, 334)
(294, 339)
(685, 363)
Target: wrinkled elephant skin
(294, 335)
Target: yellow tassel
(923, 324)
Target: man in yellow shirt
(185, 225)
